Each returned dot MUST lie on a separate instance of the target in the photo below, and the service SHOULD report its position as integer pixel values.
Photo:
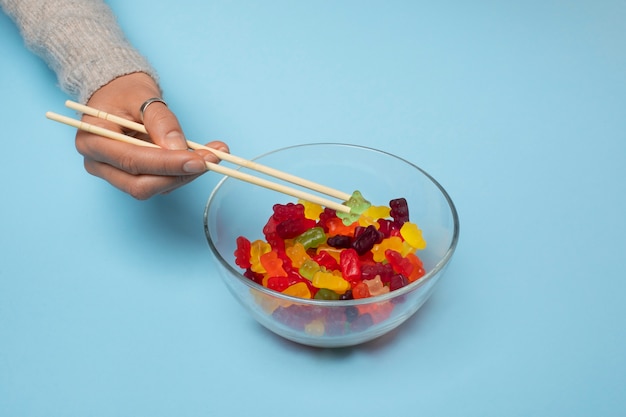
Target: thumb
(163, 127)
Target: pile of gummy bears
(315, 252)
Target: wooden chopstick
(222, 155)
(211, 166)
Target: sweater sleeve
(79, 39)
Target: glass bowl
(236, 208)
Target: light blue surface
(113, 307)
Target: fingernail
(194, 166)
(174, 140)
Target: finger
(163, 127)
(137, 160)
(142, 186)
(210, 156)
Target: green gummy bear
(312, 238)
(357, 205)
(308, 269)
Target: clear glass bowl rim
(443, 262)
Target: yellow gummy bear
(330, 281)
(393, 243)
(412, 235)
(377, 212)
(258, 248)
(311, 210)
(372, 214)
(299, 289)
(365, 221)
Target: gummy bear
(370, 271)
(376, 286)
(253, 276)
(272, 264)
(336, 226)
(290, 228)
(312, 238)
(378, 250)
(339, 241)
(311, 210)
(366, 239)
(299, 289)
(398, 281)
(334, 252)
(358, 204)
(311, 251)
(360, 290)
(258, 248)
(324, 259)
(377, 212)
(418, 267)
(372, 214)
(325, 216)
(399, 264)
(277, 283)
(283, 212)
(272, 238)
(297, 254)
(413, 235)
(350, 265)
(308, 269)
(330, 281)
(388, 227)
(326, 294)
(270, 227)
(346, 295)
(242, 253)
(399, 210)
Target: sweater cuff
(87, 77)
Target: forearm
(79, 39)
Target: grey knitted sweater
(79, 39)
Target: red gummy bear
(325, 216)
(242, 253)
(350, 265)
(388, 228)
(370, 271)
(287, 211)
(326, 260)
(290, 228)
(398, 263)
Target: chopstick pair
(210, 166)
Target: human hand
(140, 171)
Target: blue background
(113, 307)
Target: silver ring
(148, 102)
